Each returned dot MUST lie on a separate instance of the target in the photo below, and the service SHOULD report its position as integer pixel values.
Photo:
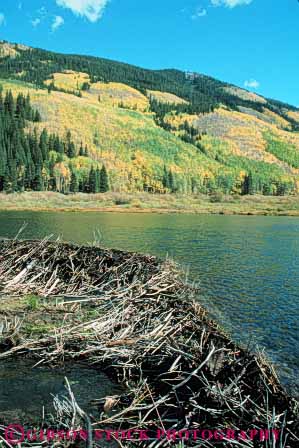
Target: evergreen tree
(35, 160)
(38, 184)
(28, 109)
(44, 144)
(52, 180)
(74, 185)
(29, 160)
(98, 179)
(37, 117)
(85, 86)
(9, 107)
(171, 185)
(165, 179)
(71, 150)
(81, 150)
(249, 184)
(92, 181)
(104, 181)
(7, 184)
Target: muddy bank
(133, 317)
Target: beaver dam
(176, 378)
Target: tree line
(202, 92)
(30, 160)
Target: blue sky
(252, 43)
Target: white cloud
(35, 22)
(230, 3)
(41, 16)
(252, 84)
(57, 22)
(200, 12)
(2, 19)
(91, 9)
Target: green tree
(74, 185)
(71, 150)
(37, 117)
(44, 144)
(81, 150)
(92, 181)
(171, 184)
(104, 181)
(165, 179)
(85, 86)
(38, 184)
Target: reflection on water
(247, 267)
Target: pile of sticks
(180, 370)
(50, 268)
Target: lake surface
(247, 267)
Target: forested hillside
(204, 93)
(77, 123)
(35, 160)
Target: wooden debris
(181, 371)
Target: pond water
(247, 267)
(26, 393)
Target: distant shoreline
(152, 211)
(149, 203)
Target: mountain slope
(35, 65)
(157, 130)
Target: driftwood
(181, 371)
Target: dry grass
(149, 203)
(245, 95)
(114, 93)
(267, 116)
(165, 97)
(242, 130)
(69, 80)
(245, 134)
(110, 94)
(277, 119)
(294, 115)
(7, 49)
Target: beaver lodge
(134, 318)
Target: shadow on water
(25, 391)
